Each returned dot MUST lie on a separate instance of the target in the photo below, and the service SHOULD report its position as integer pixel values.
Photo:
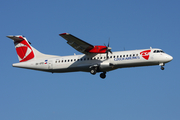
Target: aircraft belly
(72, 68)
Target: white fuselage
(120, 59)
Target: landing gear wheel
(103, 75)
(162, 68)
(93, 71)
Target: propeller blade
(108, 49)
(107, 55)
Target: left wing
(77, 43)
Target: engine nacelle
(98, 49)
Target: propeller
(108, 49)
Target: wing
(77, 43)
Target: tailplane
(24, 50)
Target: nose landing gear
(162, 66)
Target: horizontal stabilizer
(16, 38)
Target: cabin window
(123, 55)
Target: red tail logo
(24, 50)
(145, 54)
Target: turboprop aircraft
(94, 58)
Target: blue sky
(143, 93)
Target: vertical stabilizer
(24, 50)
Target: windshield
(158, 51)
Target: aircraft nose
(169, 58)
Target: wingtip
(64, 34)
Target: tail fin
(24, 50)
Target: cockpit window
(158, 51)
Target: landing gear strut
(103, 75)
(162, 64)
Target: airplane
(98, 58)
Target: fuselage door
(50, 64)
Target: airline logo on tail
(145, 54)
(23, 50)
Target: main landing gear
(93, 71)
(103, 75)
